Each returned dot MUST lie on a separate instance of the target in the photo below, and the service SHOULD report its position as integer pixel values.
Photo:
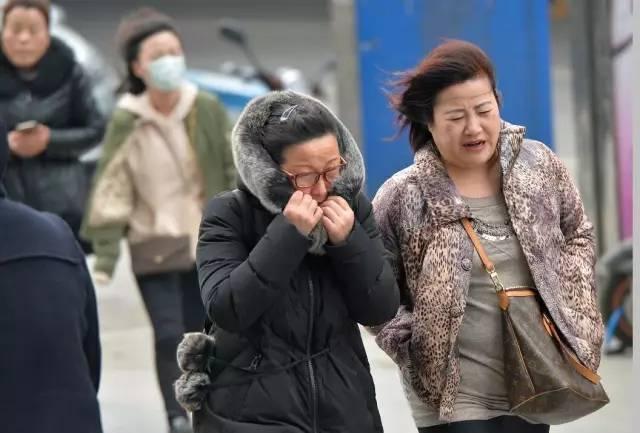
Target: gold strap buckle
(496, 280)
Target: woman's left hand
(338, 219)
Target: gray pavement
(131, 401)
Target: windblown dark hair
(450, 63)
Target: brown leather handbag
(547, 383)
(161, 254)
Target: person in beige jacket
(166, 153)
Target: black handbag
(547, 383)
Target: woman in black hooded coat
(289, 264)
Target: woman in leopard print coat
(465, 153)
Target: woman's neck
(164, 102)
(484, 181)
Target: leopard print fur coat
(419, 211)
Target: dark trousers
(174, 306)
(501, 424)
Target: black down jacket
(287, 320)
(290, 320)
(59, 96)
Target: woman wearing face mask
(447, 337)
(289, 264)
(166, 152)
(47, 104)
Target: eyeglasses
(309, 180)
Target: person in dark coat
(49, 338)
(289, 264)
(46, 103)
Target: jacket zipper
(312, 378)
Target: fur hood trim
(259, 172)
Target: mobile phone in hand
(26, 126)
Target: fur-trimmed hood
(262, 176)
(445, 205)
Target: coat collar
(51, 72)
(141, 105)
(445, 205)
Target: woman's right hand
(303, 212)
(31, 143)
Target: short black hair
(293, 124)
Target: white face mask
(167, 73)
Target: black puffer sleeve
(238, 284)
(362, 266)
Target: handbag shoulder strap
(584, 371)
(503, 299)
(486, 261)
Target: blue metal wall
(395, 35)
